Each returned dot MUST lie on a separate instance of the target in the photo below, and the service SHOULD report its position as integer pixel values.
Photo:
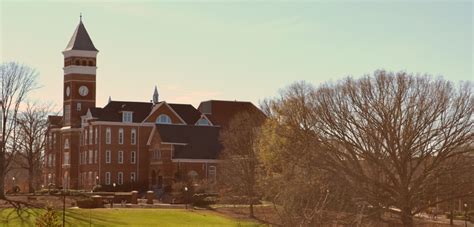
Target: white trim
(203, 116)
(150, 138)
(79, 69)
(87, 81)
(188, 160)
(122, 123)
(156, 107)
(80, 53)
(171, 143)
(69, 129)
(82, 100)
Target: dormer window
(203, 121)
(127, 116)
(163, 119)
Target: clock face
(68, 91)
(83, 91)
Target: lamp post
(465, 214)
(186, 197)
(112, 203)
(13, 187)
(49, 183)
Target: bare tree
(240, 164)
(303, 193)
(395, 136)
(16, 82)
(33, 125)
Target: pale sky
(236, 50)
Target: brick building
(137, 145)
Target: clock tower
(80, 65)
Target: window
(91, 156)
(95, 157)
(120, 157)
(193, 175)
(156, 154)
(133, 137)
(67, 114)
(120, 178)
(85, 157)
(80, 158)
(89, 178)
(50, 160)
(212, 173)
(107, 178)
(78, 106)
(133, 155)
(120, 136)
(107, 156)
(163, 119)
(96, 135)
(132, 177)
(50, 141)
(66, 143)
(203, 121)
(85, 136)
(90, 134)
(108, 136)
(66, 158)
(127, 116)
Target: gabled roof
(187, 112)
(201, 142)
(222, 112)
(113, 111)
(80, 40)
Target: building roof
(95, 112)
(221, 112)
(113, 111)
(187, 112)
(55, 121)
(202, 142)
(80, 40)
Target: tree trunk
(31, 180)
(451, 217)
(251, 210)
(2, 173)
(407, 218)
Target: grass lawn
(125, 217)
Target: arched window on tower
(84, 62)
(163, 119)
(77, 62)
(91, 63)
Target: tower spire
(155, 96)
(80, 17)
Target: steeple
(80, 40)
(155, 96)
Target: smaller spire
(155, 96)
(110, 99)
(80, 17)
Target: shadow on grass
(27, 217)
